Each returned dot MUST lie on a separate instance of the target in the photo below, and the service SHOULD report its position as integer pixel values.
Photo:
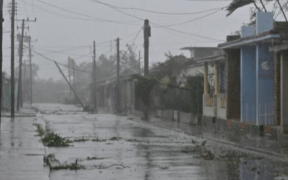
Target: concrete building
(281, 85)
(214, 101)
(106, 93)
(192, 67)
(256, 62)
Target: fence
(265, 113)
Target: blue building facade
(257, 69)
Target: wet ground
(112, 147)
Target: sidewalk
(25, 111)
(260, 145)
(21, 152)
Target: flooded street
(144, 90)
(112, 147)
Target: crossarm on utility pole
(69, 84)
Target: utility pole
(73, 69)
(21, 47)
(69, 74)
(19, 97)
(118, 77)
(147, 34)
(94, 78)
(12, 60)
(31, 78)
(1, 54)
(139, 62)
(24, 81)
(69, 84)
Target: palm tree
(277, 7)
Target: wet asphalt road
(140, 151)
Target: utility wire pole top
(147, 29)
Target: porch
(214, 97)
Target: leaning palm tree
(277, 7)
(236, 4)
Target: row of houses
(247, 74)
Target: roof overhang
(211, 59)
(250, 40)
(278, 48)
(192, 48)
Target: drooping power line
(158, 12)
(164, 27)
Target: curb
(251, 150)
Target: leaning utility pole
(73, 69)
(69, 84)
(147, 34)
(12, 60)
(94, 78)
(19, 97)
(118, 77)
(1, 55)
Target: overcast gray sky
(72, 34)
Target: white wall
(221, 112)
(208, 111)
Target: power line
(157, 12)
(63, 51)
(33, 8)
(82, 56)
(51, 60)
(133, 41)
(209, 0)
(194, 19)
(136, 36)
(48, 59)
(25, 7)
(175, 30)
(55, 13)
(85, 15)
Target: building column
(233, 84)
(277, 88)
(205, 78)
(284, 94)
(216, 65)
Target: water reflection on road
(147, 152)
(143, 152)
